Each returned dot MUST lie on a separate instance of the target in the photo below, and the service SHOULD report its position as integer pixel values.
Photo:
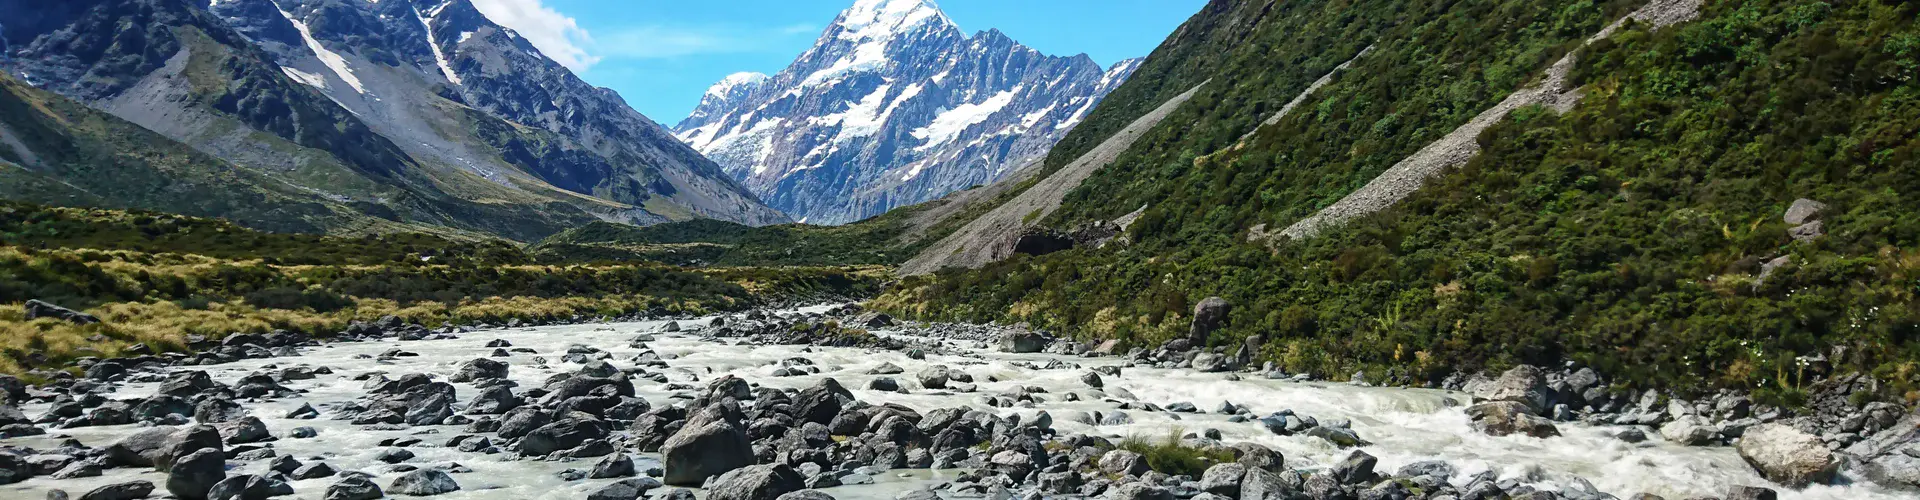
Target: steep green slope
(1628, 233)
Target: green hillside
(1629, 233)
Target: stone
(1138, 491)
(806, 495)
(1503, 418)
(1123, 463)
(1261, 484)
(757, 482)
(820, 403)
(1357, 468)
(193, 475)
(354, 488)
(249, 487)
(37, 309)
(711, 448)
(564, 434)
(1751, 493)
(1690, 430)
(630, 489)
(314, 470)
(1786, 455)
(1524, 384)
(1223, 479)
(615, 465)
(1209, 315)
(424, 482)
(130, 490)
(1804, 211)
(245, 430)
(478, 369)
(1808, 232)
(1024, 341)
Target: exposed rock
(629, 489)
(1524, 384)
(248, 487)
(757, 482)
(561, 435)
(1501, 418)
(1023, 341)
(479, 369)
(698, 452)
(1787, 456)
(193, 475)
(37, 309)
(354, 488)
(1208, 315)
(1690, 430)
(130, 490)
(1804, 211)
(1123, 463)
(424, 482)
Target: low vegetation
(1631, 233)
(1174, 456)
(155, 279)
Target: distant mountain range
(416, 112)
(893, 105)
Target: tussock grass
(1172, 455)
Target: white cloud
(561, 38)
(555, 34)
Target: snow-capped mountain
(893, 105)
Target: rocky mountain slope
(406, 109)
(894, 105)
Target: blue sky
(661, 55)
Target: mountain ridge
(893, 105)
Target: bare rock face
(1787, 456)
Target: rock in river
(1787, 456)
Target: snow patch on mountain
(330, 58)
(954, 121)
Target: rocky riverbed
(753, 407)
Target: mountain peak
(735, 81)
(879, 19)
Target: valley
(1312, 250)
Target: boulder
(1209, 315)
(614, 466)
(1787, 456)
(477, 369)
(820, 403)
(37, 309)
(1223, 479)
(423, 482)
(130, 490)
(1024, 341)
(1751, 493)
(711, 448)
(1524, 384)
(1804, 211)
(1691, 430)
(757, 482)
(354, 487)
(245, 430)
(933, 377)
(562, 435)
(627, 489)
(1123, 463)
(1261, 484)
(193, 475)
(248, 487)
(1502, 418)
(1138, 491)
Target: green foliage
(1170, 455)
(1628, 233)
(708, 242)
(35, 226)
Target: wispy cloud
(560, 36)
(555, 34)
(663, 41)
